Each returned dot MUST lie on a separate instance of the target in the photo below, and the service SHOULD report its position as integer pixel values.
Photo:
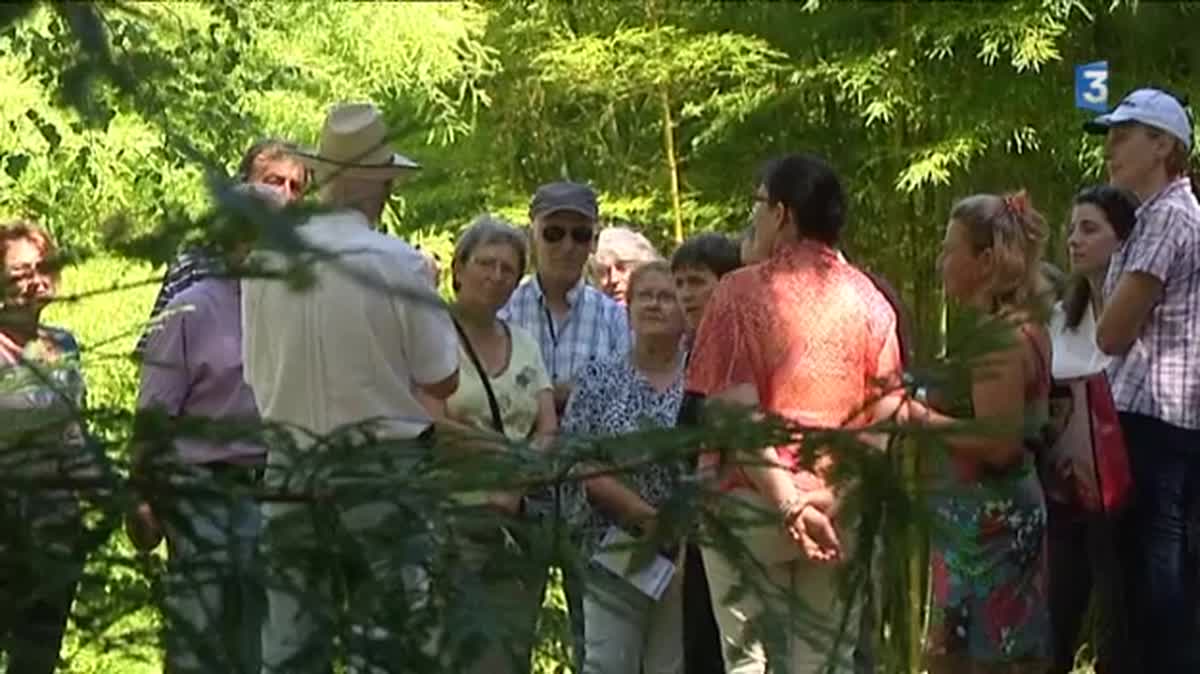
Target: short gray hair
(488, 229)
(626, 244)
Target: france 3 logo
(1091, 86)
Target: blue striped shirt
(595, 327)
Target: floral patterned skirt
(989, 566)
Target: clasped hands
(808, 519)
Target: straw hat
(354, 143)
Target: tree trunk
(668, 123)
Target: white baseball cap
(1152, 107)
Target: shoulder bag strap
(497, 422)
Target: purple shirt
(193, 367)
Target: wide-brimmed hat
(354, 143)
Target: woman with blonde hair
(989, 514)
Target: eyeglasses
(661, 296)
(555, 233)
(492, 264)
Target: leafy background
(112, 114)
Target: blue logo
(1091, 86)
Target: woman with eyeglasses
(504, 399)
(41, 437)
(625, 629)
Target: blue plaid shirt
(594, 328)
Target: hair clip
(1017, 204)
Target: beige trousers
(790, 610)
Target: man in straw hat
(344, 352)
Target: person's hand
(505, 501)
(143, 528)
(562, 393)
(648, 526)
(813, 530)
(432, 270)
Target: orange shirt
(810, 332)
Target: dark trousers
(701, 638)
(1165, 461)
(1085, 568)
(40, 565)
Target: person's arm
(621, 503)
(166, 374)
(165, 379)
(546, 425)
(1126, 312)
(1145, 263)
(561, 395)
(454, 435)
(432, 348)
(998, 396)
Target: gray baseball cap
(564, 196)
(1152, 107)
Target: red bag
(1087, 466)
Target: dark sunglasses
(555, 233)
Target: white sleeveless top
(1075, 353)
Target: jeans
(214, 602)
(627, 632)
(1165, 461)
(41, 560)
(1084, 567)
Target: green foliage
(114, 626)
(114, 113)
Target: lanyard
(553, 344)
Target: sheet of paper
(616, 555)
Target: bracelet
(792, 508)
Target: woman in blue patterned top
(41, 437)
(627, 631)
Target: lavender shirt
(193, 367)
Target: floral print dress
(613, 398)
(988, 556)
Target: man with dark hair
(698, 265)
(269, 163)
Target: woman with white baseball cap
(1151, 327)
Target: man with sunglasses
(574, 322)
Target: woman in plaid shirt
(1151, 326)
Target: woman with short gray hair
(504, 397)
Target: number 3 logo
(1091, 86)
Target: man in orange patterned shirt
(807, 337)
